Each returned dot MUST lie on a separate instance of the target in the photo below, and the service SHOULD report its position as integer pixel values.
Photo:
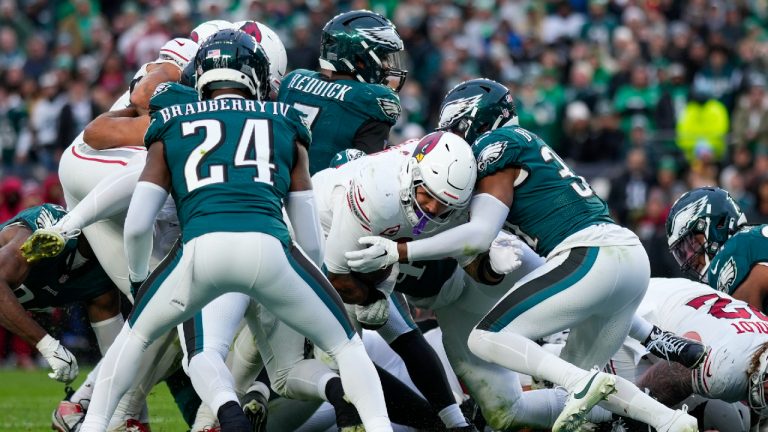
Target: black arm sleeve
(372, 136)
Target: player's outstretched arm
(13, 269)
(489, 209)
(754, 289)
(148, 198)
(120, 128)
(156, 73)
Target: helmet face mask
(698, 225)
(758, 381)
(365, 45)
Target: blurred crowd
(645, 98)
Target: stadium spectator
(750, 119)
(702, 127)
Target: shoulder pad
(300, 124)
(171, 93)
(380, 102)
(498, 149)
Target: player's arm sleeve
(487, 218)
(372, 136)
(148, 199)
(302, 212)
(342, 237)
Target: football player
(345, 102)
(231, 199)
(594, 278)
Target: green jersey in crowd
(230, 161)
(343, 114)
(550, 201)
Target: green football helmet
(366, 45)
(706, 211)
(188, 75)
(232, 59)
(475, 107)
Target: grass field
(27, 400)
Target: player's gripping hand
(506, 253)
(62, 361)
(374, 315)
(380, 253)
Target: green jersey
(230, 161)
(171, 93)
(550, 201)
(735, 259)
(60, 280)
(338, 111)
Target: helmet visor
(393, 65)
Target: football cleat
(594, 387)
(256, 408)
(681, 422)
(45, 243)
(667, 345)
(133, 425)
(67, 417)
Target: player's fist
(506, 253)
(62, 361)
(374, 315)
(380, 253)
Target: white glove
(506, 253)
(373, 315)
(380, 253)
(62, 361)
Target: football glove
(506, 253)
(62, 361)
(380, 253)
(374, 315)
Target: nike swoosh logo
(714, 269)
(180, 43)
(382, 254)
(359, 196)
(69, 362)
(584, 391)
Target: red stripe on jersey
(113, 161)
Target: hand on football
(62, 361)
(380, 253)
(506, 253)
(374, 315)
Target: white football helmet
(178, 51)
(273, 46)
(443, 164)
(758, 380)
(202, 32)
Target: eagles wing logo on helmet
(727, 276)
(389, 107)
(490, 154)
(457, 109)
(684, 216)
(383, 35)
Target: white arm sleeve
(487, 216)
(342, 237)
(148, 199)
(302, 213)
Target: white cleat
(590, 390)
(681, 422)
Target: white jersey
(362, 198)
(733, 329)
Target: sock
(212, 380)
(232, 419)
(106, 331)
(520, 354)
(404, 406)
(204, 418)
(83, 393)
(641, 329)
(425, 369)
(632, 402)
(452, 416)
(346, 414)
(362, 385)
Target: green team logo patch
(727, 276)
(389, 107)
(490, 154)
(161, 88)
